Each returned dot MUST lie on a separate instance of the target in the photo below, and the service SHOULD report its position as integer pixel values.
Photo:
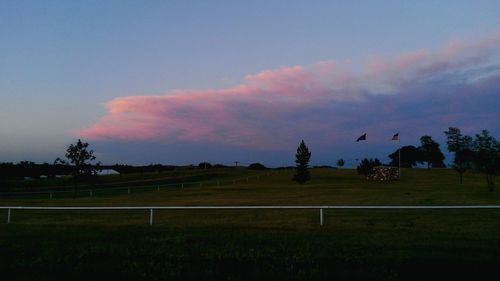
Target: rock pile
(382, 173)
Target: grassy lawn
(262, 244)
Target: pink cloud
(273, 107)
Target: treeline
(28, 169)
(428, 153)
(32, 170)
(128, 169)
(480, 152)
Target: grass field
(261, 244)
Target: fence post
(321, 216)
(151, 216)
(158, 188)
(50, 196)
(90, 193)
(129, 190)
(8, 216)
(182, 185)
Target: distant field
(261, 244)
(180, 174)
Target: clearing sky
(179, 82)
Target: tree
(410, 155)
(302, 160)
(481, 153)
(340, 162)
(462, 147)
(81, 158)
(366, 166)
(487, 156)
(430, 153)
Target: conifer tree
(302, 160)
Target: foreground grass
(263, 244)
(375, 246)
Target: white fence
(320, 208)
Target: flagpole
(365, 150)
(399, 156)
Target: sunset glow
(274, 108)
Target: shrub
(257, 166)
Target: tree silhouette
(487, 156)
(340, 162)
(366, 166)
(81, 158)
(410, 155)
(302, 160)
(481, 153)
(462, 147)
(256, 166)
(430, 153)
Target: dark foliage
(32, 170)
(366, 166)
(430, 152)
(462, 147)
(340, 162)
(302, 160)
(204, 165)
(80, 159)
(127, 169)
(481, 153)
(487, 156)
(410, 155)
(257, 166)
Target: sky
(181, 82)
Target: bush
(257, 166)
(366, 166)
(204, 165)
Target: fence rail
(152, 208)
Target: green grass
(262, 244)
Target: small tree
(366, 166)
(340, 163)
(482, 154)
(462, 147)
(81, 158)
(302, 160)
(430, 152)
(487, 156)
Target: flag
(363, 137)
(395, 137)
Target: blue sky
(222, 81)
